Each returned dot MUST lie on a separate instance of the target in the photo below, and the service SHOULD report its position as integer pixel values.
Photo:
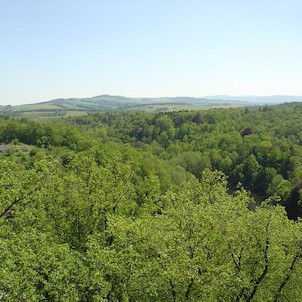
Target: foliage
(152, 207)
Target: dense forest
(132, 206)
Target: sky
(148, 48)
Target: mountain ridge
(243, 99)
(105, 103)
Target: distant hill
(108, 102)
(104, 103)
(262, 100)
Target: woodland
(134, 206)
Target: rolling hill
(105, 103)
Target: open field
(106, 103)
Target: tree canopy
(180, 206)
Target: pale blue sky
(72, 48)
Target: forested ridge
(175, 206)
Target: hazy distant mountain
(272, 99)
(120, 102)
(103, 103)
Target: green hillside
(107, 103)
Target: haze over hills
(212, 100)
(271, 99)
(103, 103)
(121, 102)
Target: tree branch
(287, 277)
(265, 269)
(19, 199)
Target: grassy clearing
(37, 107)
(167, 107)
(75, 113)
